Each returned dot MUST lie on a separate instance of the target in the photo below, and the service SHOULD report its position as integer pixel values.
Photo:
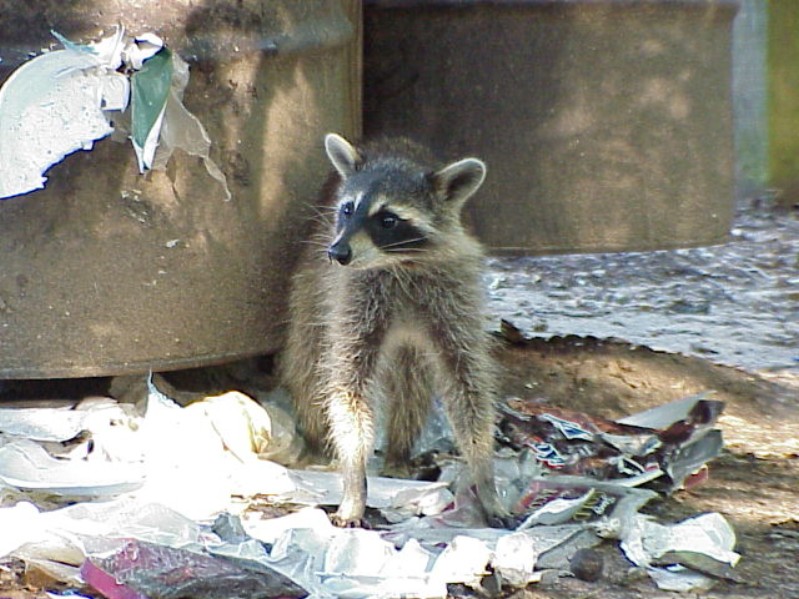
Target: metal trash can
(606, 124)
(106, 271)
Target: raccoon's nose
(340, 252)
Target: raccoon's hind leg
(407, 385)
(299, 364)
(312, 424)
(300, 374)
(468, 377)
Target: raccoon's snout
(340, 252)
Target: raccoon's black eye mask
(394, 234)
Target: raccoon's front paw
(497, 516)
(504, 520)
(495, 513)
(343, 522)
(350, 514)
(397, 470)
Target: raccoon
(389, 309)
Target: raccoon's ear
(458, 181)
(341, 153)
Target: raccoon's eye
(347, 208)
(388, 220)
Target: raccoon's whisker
(401, 250)
(401, 243)
(322, 214)
(314, 242)
(320, 220)
(323, 209)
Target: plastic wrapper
(140, 570)
(567, 499)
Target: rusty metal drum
(606, 124)
(106, 271)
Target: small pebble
(587, 564)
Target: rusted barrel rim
(305, 40)
(726, 4)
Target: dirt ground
(754, 484)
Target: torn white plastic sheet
(683, 556)
(334, 562)
(364, 563)
(26, 465)
(415, 497)
(58, 541)
(193, 459)
(515, 559)
(464, 561)
(199, 456)
(42, 424)
(20, 524)
(102, 436)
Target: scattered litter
(184, 503)
(65, 100)
(665, 446)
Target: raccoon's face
(390, 210)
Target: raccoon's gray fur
(397, 319)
